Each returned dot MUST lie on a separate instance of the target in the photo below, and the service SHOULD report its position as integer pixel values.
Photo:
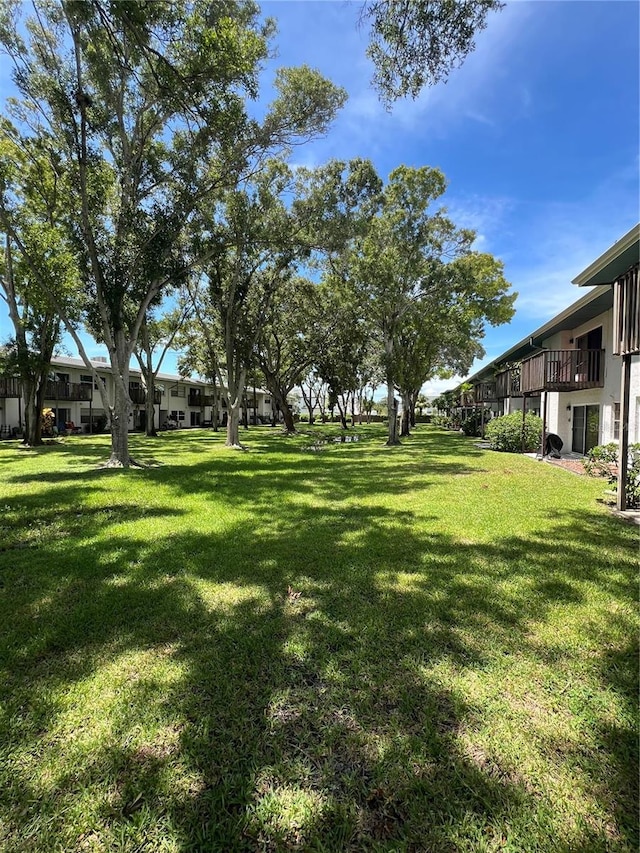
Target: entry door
(586, 428)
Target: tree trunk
(391, 402)
(233, 425)
(245, 412)
(280, 397)
(150, 408)
(343, 415)
(392, 410)
(32, 414)
(121, 407)
(234, 405)
(214, 408)
(308, 401)
(119, 412)
(406, 412)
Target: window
(177, 415)
(62, 377)
(267, 400)
(195, 419)
(615, 412)
(87, 379)
(178, 391)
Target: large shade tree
(38, 267)
(414, 264)
(285, 343)
(146, 106)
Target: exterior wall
(560, 406)
(10, 412)
(174, 397)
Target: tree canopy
(417, 43)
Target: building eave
(614, 262)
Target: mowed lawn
(428, 648)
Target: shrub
(505, 433)
(440, 421)
(471, 426)
(599, 460)
(602, 461)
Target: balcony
(508, 383)
(68, 391)
(196, 398)
(563, 370)
(138, 396)
(485, 392)
(9, 387)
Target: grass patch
(425, 648)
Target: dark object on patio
(553, 445)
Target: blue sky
(537, 133)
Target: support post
(524, 414)
(625, 382)
(544, 423)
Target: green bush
(603, 460)
(505, 433)
(472, 425)
(440, 421)
(599, 460)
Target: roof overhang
(614, 262)
(593, 303)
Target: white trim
(607, 257)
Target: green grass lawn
(424, 648)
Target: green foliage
(506, 433)
(417, 43)
(603, 461)
(426, 293)
(600, 459)
(471, 425)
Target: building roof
(102, 364)
(613, 263)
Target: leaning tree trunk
(391, 408)
(281, 401)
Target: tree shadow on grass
(284, 683)
(293, 680)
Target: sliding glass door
(586, 428)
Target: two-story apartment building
(74, 398)
(569, 370)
